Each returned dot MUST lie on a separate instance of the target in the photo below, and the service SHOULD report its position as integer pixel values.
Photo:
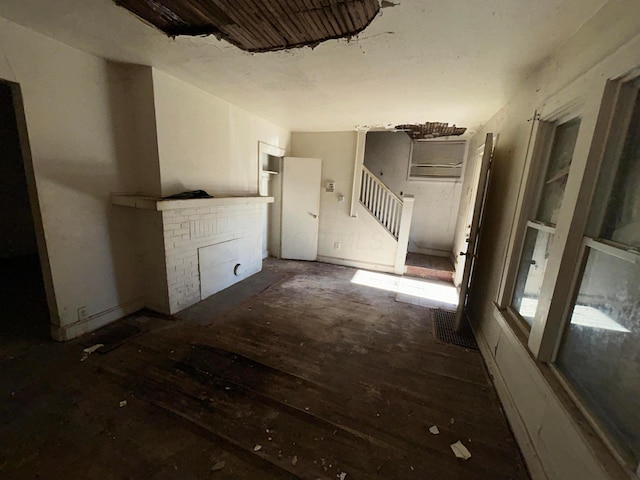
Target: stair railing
(383, 204)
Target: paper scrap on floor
(460, 450)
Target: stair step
(428, 273)
(429, 267)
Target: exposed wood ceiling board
(173, 16)
(431, 130)
(258, 25)
(268, 33)
(272, 10)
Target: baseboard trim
(516, 423)
(63, 333)
(356, 264)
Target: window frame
(556, 111)
(619, 112)
(593, 421)
(597, 93)
(440, 178)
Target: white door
(476, 225)
(465, 215)
(301, 178)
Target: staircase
(392, 212)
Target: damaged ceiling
(258, 25)
(423, 131)
(457, 61)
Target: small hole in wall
(381, 174)
(402, 194)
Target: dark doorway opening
(23, 304)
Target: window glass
(622, 221)
(532, 266)
(555, 180)
(600, 351)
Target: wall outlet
(336, 246)
(82, 313)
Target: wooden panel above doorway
(258, 25)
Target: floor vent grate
(443, 323)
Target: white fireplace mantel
(192, 248)
(161, 204)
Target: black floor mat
(443, 329)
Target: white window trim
(628, 255)
(583, 98)
(599, 98)
(438, 178)
(566, 251)
(558, 109)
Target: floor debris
(218, 466)
(294, 460)
(123, 403)
(212, 404)
(342, 476)
(89, 350)
(460, 450)
(257, 448)
(434, 430)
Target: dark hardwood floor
(311, 378)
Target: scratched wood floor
(309, 379)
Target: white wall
(436, 201)
(205, 143)
(554, 444)
(98, 127)
(363, 242)
(137, 82)
(74, 106)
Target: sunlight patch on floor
(436, 291)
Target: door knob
(313, 215)
(462, 254)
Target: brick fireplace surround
(190, 249)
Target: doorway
(23, 301)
